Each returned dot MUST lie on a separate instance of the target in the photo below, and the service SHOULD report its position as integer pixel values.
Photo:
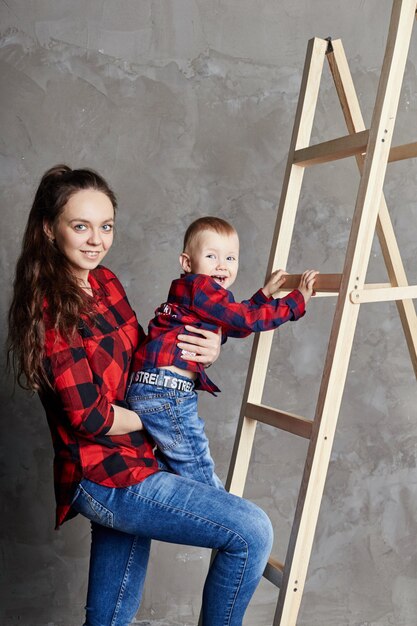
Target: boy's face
(215, 255)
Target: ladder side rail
(300, 139)
(385, 231)
(346, 314)
(397, 276)
(282, 237)
(380, 135)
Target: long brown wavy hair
(43, 274)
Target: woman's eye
(107, 228)
(80, 227)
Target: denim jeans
(171, 418)
(171, 508)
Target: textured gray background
(187, 107)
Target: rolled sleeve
(88, 410)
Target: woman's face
(84, 230)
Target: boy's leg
(191, 457)
(171, 418)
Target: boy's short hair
(216, 224)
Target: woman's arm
(203, 348)
(125, 421)
(85, 406)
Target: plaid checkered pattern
(90, 373)
(198, 300)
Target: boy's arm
(257, 299)
(216, 305)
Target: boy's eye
(210, 256)
(231, 258)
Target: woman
(71, 337)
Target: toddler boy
(163, 384)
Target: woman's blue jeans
(171, 508)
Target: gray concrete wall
(187, 107)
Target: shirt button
(116, 327)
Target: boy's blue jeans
(171, 508)
(171, 418)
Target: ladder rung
(373, 293)
(324, 282)
(280, 419)
(340, 148)
(273, 571)
(347, 146)
(406, 151)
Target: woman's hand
(203, 348)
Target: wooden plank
(323, 294)
(406, 151)
(332, 150)
(347, 146)
(280, 419)
(324, 282)
(273, 571)
(320, 294)
(387, 294)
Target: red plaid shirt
(89, 374)
(198, 300)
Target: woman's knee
(258, 529)
(264, 530)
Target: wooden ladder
(372, 149)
